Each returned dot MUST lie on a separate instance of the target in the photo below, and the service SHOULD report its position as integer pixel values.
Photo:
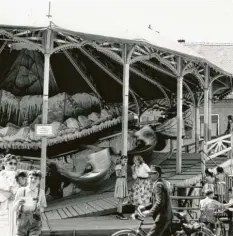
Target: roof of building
(219, 53)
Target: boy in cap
(160, 209)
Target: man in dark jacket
(160, 209)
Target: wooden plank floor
(104, 203)
(104, 225)
(93, 205)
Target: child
(121, 190)
(30, 201)
(209, 181)
(8, 185)
(21, 178)
(220, 184)
(21, 181)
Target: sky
(192, 20)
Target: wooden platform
(105, 225)
(100, 204)
(93, 205)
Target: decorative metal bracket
(22, 40)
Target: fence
(216, 147)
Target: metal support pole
(179, 117)
(231, 153)
(206, 98)
(210, 113)
(203, 158)
(197, 128)
(45, 106)
(125, 102)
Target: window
(214, 128)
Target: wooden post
(231, 153)
(171, 145)
(197, 128)
(210, 113)
(179, 117)
(45, 105)
(206, 98)
(125, 101)
(203, 158)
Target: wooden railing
(216, 147)
(183, 200)
(189, 148)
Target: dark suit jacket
(160, 209)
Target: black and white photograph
(116, 118)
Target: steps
(191, 166)
(104, 203)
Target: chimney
(181, 40)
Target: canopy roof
(32, 15)
(97, 61)
(219, 53)
(87, 57)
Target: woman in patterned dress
(121, 189)
(141, 189)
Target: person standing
(8, 185)
(160, 209)
(208, 207)
(229, 125)
(121, 189)
(209, 181)
(220, 184)
(141, 189)
(29, 212)
(21, 178)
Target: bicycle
(185, 228)
(220, 223)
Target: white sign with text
(44, 130)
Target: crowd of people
(140, 193)
(218, 197)
(21, 198)
(151, 194)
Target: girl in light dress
(220, 184)
(121, 189)
(141, 189)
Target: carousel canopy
(31, 15)
(98, 59)
(86, 57)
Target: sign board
(43, 130)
